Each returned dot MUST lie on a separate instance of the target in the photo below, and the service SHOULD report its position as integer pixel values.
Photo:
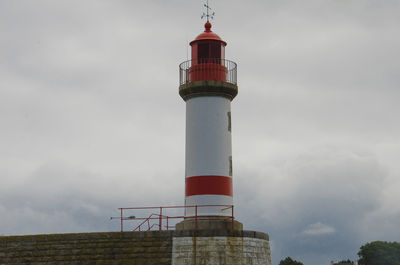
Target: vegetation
(380, 253)
(289, 261)
(345, 262)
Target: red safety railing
(208, 69)
(162, 221)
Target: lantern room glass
(210, 52)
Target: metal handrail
(146, 220)
(160, 216)
(208, 69)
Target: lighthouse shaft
(208, 155)
(208, 85)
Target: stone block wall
(130, 248)
(189, 247)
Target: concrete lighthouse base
(218, 241)
(213, 247)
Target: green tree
(380, 253)
(345, 262)
(289, 261)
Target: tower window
(229, 121)
(215, 51)
(230, 166)
(203, 52)
(207, 51)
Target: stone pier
(176, 247)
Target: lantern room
(208, 57)
(208, 47)
(208, 72)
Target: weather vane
(207, 14)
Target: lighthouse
(209, 233)
(208, 84)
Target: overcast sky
(91, 119)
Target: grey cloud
(317, 229)
(61, 198)
(320, 192)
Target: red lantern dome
(208, 46)
(208, 34)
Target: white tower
(208, 85)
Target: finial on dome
(207, 26)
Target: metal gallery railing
(160, 219)
(208, 69)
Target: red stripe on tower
(209, 185)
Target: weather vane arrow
(208, 14)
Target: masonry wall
(220, 251)
(130, 248)
(138, 248)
